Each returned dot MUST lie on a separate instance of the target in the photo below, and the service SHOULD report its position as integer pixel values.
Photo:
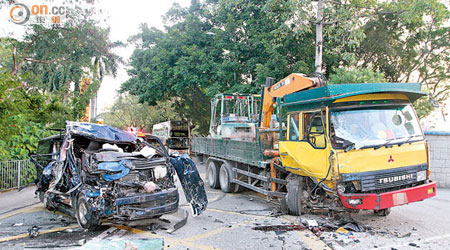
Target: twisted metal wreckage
(97, 171)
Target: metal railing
(16, 174)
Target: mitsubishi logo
(391, 159)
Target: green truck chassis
(245, 161)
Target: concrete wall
(439, 144)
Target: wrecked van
(94, 171)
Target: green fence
(16, 173)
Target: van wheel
(294, 194)
(382, 212)
(213, 174)
(225, 177)
(86, 218)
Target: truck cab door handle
(284, 154)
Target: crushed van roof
(99, 132)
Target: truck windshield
(374, 126)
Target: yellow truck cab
(334, 148)
(359, 143)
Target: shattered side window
(294, 134)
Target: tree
(210, 48)
(128, 112)
(408, 41)
(76, 52)
(356, 75)
(232, 46)
(37, 70)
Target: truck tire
(213, 174)
(86, 218)
(294, 194)
(225, 178)
(382, 212)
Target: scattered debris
(343, 231)
(404, 235)
(279, 232)
(153, 227)
(180, 223)
(276, 212)
(17, 224)
(345, 241)
(33, 231)
(81, 242)
(310, 223)
(279, 228)
(413, 244)
(353, 226)
(218, 221)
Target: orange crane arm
(288, 85)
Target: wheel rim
(211, 176)
(82, 211)
(223, 178)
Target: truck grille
(385, 179)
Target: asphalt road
(228, 223)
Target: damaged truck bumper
(388, 199)
(147, 205)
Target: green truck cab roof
(325, 95)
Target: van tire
(213, 174)
(86, 218)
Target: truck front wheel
(382, 212)
(294, 194)
(213, 174)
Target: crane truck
(319, 147)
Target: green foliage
(37, 71)
(357, 75)
(212, 47)
(408, 42)
(128, 112)
(423, 107)
(233, 45)
(22, 122)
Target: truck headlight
(354, 201)
(422, 175)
